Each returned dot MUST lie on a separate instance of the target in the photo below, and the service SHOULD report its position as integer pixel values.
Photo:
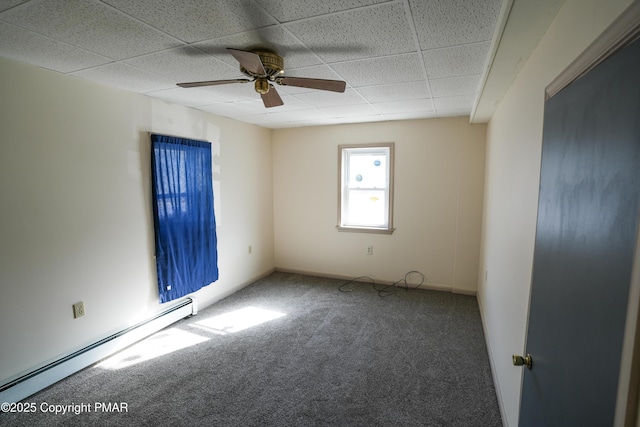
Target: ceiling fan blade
(213, 83)
(321, 84)
(249, 60)
(272, 98)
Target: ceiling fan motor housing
(273, 65)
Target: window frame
(343, 149)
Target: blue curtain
(185, 225)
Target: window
(184, 220)
(366, 188)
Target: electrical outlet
(369, 250)
(78, 310)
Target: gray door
(585, 238)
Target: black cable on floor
(355, 279)
(387, 290)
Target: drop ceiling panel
(8, 4)
(390, 69)
(452, 102)
(226, 109)
(319, 99)
(284, 118)
(90, 25)
(365, 32)
(456, 61)
(395, 92)
(124, 76)
(291, 10)
(194, 97)
(362, 110)
(26, 46)
(413, 115)
(196, 20)
(185, 63)
(410, 106)
(453, 86)
(233, 92)
(454, 22)
(275, 38)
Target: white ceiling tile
(411, 115)
(127, 77)
(373, 31)
(290, 10)
(454, 102)
(460, 112)
(341, 111)
(225, 109)
(441, 23)
(395, 92)
(456, 61)
(235, 92)
(463, 85)
(410, 106)
(186, 64)
(90, 25)
(275, 38)
(321, 98)
(378, 71)
(26, 46)
(192, 97)
(196, 20)
(8, 4)
(287, 116)
(362, 119)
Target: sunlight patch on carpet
(159, 344)
(237, 320)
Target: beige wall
(439, 170)
(75, 218)
(514, 137)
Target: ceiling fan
(264, 68)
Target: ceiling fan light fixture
(262, 85)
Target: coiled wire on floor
(412, 280)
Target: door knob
(519, 361)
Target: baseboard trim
(32, 381)
(496, 384)
(424, 286)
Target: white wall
(514, 138)
(75, 213)
(439, 173)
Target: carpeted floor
(320, 357)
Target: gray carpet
(410, 358)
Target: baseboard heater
(29, 383)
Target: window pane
(366, 208)
(367, 171)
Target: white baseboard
(28, 383)
(427, 286)
(496, 384)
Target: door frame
(622, 32)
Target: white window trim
(362, 229)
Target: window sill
(371, 230)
